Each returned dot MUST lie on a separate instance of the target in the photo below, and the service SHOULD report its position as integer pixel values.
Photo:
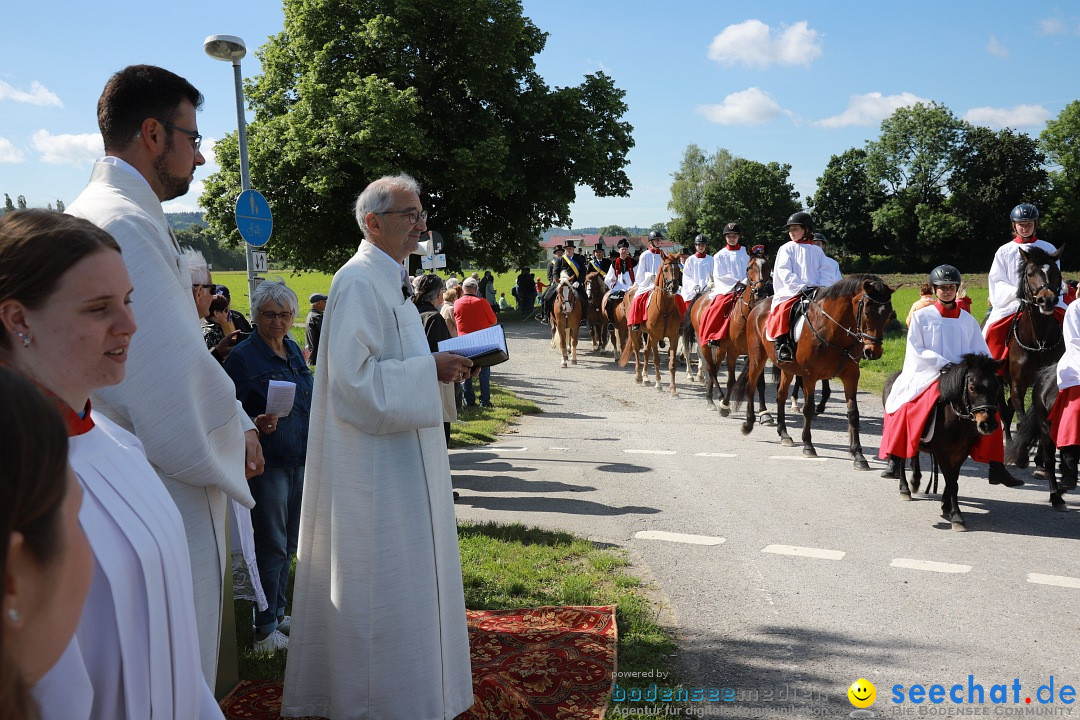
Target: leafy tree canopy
(445, 90)
(756, 195)
(616, 230)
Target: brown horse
(1034, 429)
(598, 326)
(615, 311)
(1035, 338)
(663, 319)
(966, 410)
(566, 319)
(758, 287)
(844, 322)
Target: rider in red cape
(1004, 279)
(940, 334)
(729, 271)
(799, 264)
(1065, 413)
(648, 268)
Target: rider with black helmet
(834, 273)
(729, 274)
(697, 270)
(938, 335)
(648, 268)
(799, 265)
(1004, 278)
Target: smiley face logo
(862, 693)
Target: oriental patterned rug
(546, 663)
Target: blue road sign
(253, 218)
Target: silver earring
(13, 615)
(25, 339)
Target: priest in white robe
(378, 628)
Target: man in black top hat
(574, 266)
(598, 262)
(558, 252)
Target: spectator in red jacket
(472, 313)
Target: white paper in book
(279, 397)
(476, 343)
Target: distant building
(586, 243)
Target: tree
(219, 255)
(21, 202)
(757, 196)
(1060, 216)
(60, 207)
(696, 171)
(844, 201)
(911, 160)
(8, 205)
(993, 172)
(616, 230)
(446, 90)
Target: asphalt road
(800, 576)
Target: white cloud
(77, 150)
(754, 44)
(749, 107)
(995, 48)
(1016, 116)
(9, 153)
(1053, 26)
(38, 95)
(870, 109)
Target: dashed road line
(929, 565)
(634, 451)
(1057, 580)
(510, 448)
(558, 448)
(679, 537)
(718, 455)
(819, 553)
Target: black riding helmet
(820, 237)
(944, 275)
(800, 218)
(701, 240)
(732, 228)
(1024, 212)
(656, 235)
(624, 243)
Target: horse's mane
(951, 383)
(1036, 256)
(852, 285)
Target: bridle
(857, 336)
(1027, 302)
(969, 414)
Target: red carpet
(548, 663)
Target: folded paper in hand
(484, 347)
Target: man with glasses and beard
(175, 398)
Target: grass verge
(479, 425)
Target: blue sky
(792, 82)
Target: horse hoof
(1040, 473)
(725, 412)
(1058, 503)
(914, 484)
(959, 526)
(809, 452)
(659, 387)
(564, 363)
(573, 362)
(767, 420)
(905, 495)
(861, 464)
(787, 442)
(747, 428)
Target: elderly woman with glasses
(270, 354)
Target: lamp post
(231, 48)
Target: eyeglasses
(196, 138)
(196, 286)
(273, 315)
(413, 216)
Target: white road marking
(558, 448)
(723, 455)
(819, 553)
(1058, 580)
(929, 566)
(649, 452)
(510, 449)
(797, 457)
(679, 537)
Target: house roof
(588, 242)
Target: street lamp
(231, 48)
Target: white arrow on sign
(258, 261)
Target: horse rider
(574, 266)
(799, 265)
(697, 270)
(728, 277)
(1065, 413)
(619, 278)
(558, 253)
(834, 273)
(939, 335)
(648, 267)
(599, 263)
(1004, 278)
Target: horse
(565, 319)
(844, 322)
(663, 319)
(966, 409)
(598, 324)
(615, 311)
(758, 286)
(688, 339)
(1035, 338)
(1035, 429)
(826, 393)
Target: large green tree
(756, 195)
(844, 201)
(1061, 212)
(445, 90)
(697, 170)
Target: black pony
(966, 409)
(1035, 429)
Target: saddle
(799, 309)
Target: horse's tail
(1024, 437)
(628, 349)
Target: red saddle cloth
(903, 429)
(1065, 417)
(779, 321)
(640, 304)
(997, 335)
(717, 318)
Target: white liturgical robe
(695, 275)
(1068, 367)
(729, 269)
(797, 267)
(1004, 278)
(378, 627)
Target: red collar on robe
(75, 425)
(946, 312)
(654, 250)
(733, 248)
(804, 241)
(701, 255)
(1021, 241)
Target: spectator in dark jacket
(313, 326)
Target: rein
(856, 337)
(1026, 303)
(970, 414)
